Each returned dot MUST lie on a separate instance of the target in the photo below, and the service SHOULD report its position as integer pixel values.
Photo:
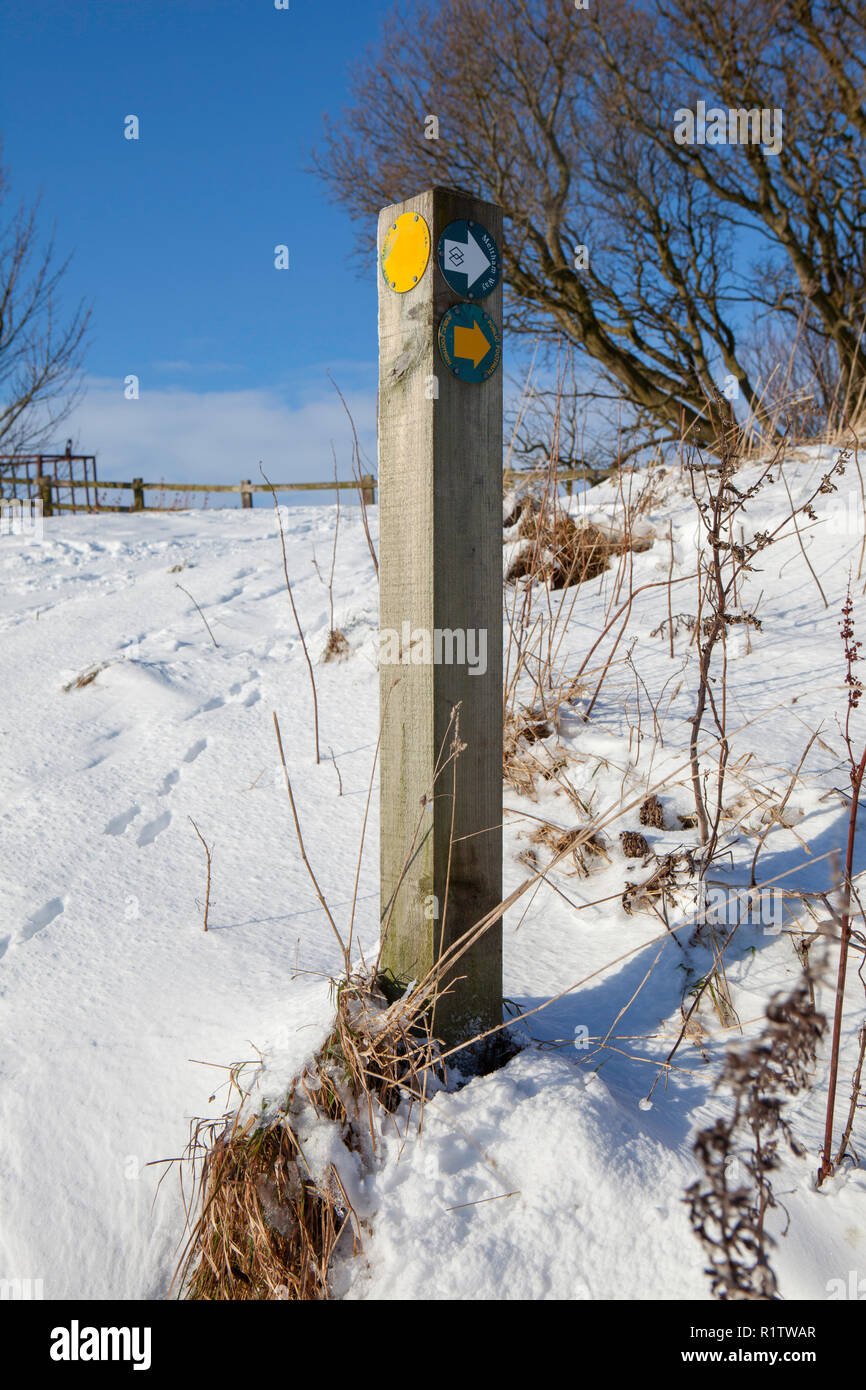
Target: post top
(440, 190)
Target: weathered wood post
(44, 486)
(137, 495)
(440, 563)
(368, 490)
(246, 495)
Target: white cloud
(219, 436)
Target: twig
(357, 456)
(857, 769)
(856, 1085)
(334, 551)
(336, 769)
(366, 814)
(498, 1198)
(201, 615)
(777, 815)
(307, 865)
(208, 852)
(295, 611)
(800, 538)
(670, 579)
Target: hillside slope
(119, 1012)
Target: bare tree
(807, 61)
(572, 421)
(618, 239)
(41, 350)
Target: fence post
(246, 497)
(137, 495)
(368, 489)
(43, 486)
(440, 564)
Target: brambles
(721, 567)
(728, 1206)
(659, 889)
(670, 627)
(856, 770)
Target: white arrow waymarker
(466, 258)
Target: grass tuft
(269, 1224)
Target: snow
(555, 1177)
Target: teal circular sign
(469, 259)
(470, 342)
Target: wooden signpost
(440, 565)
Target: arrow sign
(469, 258)
(466, 258)
(471, 343)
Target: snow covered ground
(120, 1016)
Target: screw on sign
(405, 252)
(470, 343)
(469, 259)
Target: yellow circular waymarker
(405, 251)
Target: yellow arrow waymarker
(471, 343)
(405, 251)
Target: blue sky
(173, 235)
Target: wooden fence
(22, 476)
(30, 475)
(49, 489)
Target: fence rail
(21, 475)
(45, 487)
(48, 486)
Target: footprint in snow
(153, 828)
(118, 824)
(41, 919)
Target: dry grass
(652, 813)
(659, 890)
(267, 1229)
(522, 729)
(269, 1226)
(88, 676)
(336, 647)
(559, 551)
(586, 850)
(634, 844)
